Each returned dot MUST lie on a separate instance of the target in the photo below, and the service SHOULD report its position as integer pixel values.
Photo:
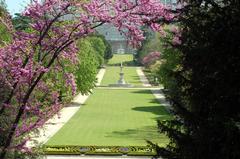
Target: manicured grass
(114, 118)
(112, 76)
(126, 59)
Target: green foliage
(3, 7)
(20, 22)
(5, 36)
(86, 71)
(150, 44)
(161, 71)
(57, 83)
(108, 51)
(99, 46)
(90, 55)
(169, 65)
(206, 99)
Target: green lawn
(114, 118)
(112, 76)
(126, 59)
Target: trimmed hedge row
(100, 150)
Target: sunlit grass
(112, 76)
(114, 118)
(126, 59)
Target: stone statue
(121, 80)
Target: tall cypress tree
(207, 102)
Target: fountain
(121, 82)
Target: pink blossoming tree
(151, 58)
(176, 33)
(55, 26)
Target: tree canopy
(206, 99)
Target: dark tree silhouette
(207, 99)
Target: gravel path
(142, 77)
(157, 92)
(100, 76)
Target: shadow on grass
(161, 99)
(143, 133)
(147, 133)
(74, 104)
(160, 111)
(135, 78)
(142, 92)
(154, 101)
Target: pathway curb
(157, 92)
(142, 77)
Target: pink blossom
(151, 57)
(70, 81)
(176, 41)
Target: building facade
(117, 40)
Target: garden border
(99, 150)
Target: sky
(16, 6)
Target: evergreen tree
(207, 102)
(2, 7)
(21, 22)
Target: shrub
(99, 47)
(86, 70)
(151, 58)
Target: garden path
(157, 92)
(142, 77)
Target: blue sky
(16, 6)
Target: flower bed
(100, 150)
